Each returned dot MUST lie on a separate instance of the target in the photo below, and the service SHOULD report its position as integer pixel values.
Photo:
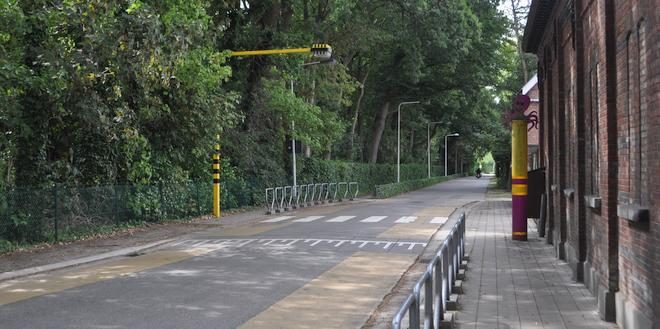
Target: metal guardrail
(436, 282)
(285, 198)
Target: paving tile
(515, 284)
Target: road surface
(319, 267)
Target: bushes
(46, 214)
(389, 190)
(367, 175)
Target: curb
(80, 261)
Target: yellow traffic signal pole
(216, 181)
(319, 50)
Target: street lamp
(398, 139)
(428, 145)
(450, 135)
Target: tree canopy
(135, 91)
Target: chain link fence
(62, 213)
(34, 215)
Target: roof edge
(537, 19)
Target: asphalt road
(319, 267)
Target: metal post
(428, 146)
(216, 181)
(519, 179)
(445, 155)
(293, 147)
(450, 135)
(398, 144)
(428, 149)
(55, 219)
(456, 159)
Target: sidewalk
(517, 284)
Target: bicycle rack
(270, 205)
(333, 197)
(354, 194)
(318, 195)
(296, 192)
(304, 200)
(285, 198)
(342, 196)
(311, 197)
(279, 208)
(325, 190)
(287, 206)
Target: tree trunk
(412, 144)
(356, 115)
(378, 129)
(516, 30)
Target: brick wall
(600, 142)
(636, 248)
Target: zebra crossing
(369, 219)
(217, 244)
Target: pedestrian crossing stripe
(216, 244)
(277, 219)
(406, 219)
(373, 219)
(308, 219)
(439, 220)
(340, 219)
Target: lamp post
(398, 139)
(428, 145)
(450, 135)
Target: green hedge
(33, 215)
(367, 175)
(389, 190)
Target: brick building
(600, 142)
(531, 89)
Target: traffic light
(289, 146)
(321, 50)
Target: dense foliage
(136, 92)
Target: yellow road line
(343, 297)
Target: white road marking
(340, 219)
(439, 220)
(373, 219)
(277, 219)
(406, 219)
(307, 219)
(275, 242)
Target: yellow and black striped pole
(216, 181)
